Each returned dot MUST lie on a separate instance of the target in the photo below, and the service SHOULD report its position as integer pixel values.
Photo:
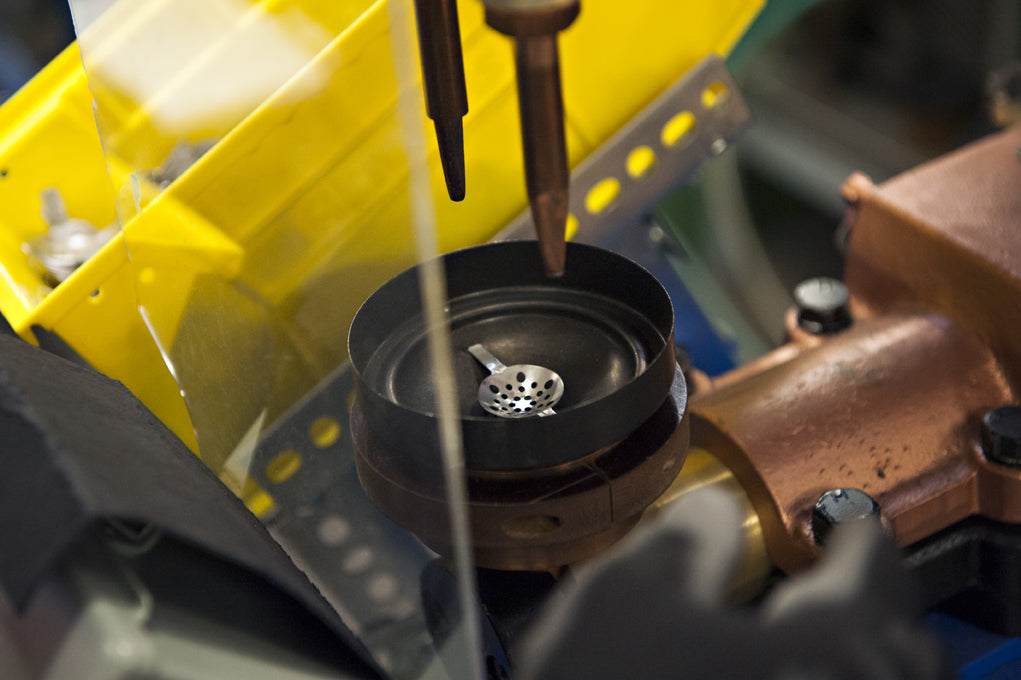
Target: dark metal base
(972, 570)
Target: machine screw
(837, 506)
(822, 305)
(67, 244)
(667, 242)
(1001, 435)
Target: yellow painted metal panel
(301, 206)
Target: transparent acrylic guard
(269, 131)
(266, 181)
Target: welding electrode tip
(534, 28)
(545, 147)
(450, 139)
(549, 214)
(446, 98)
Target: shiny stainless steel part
(67, 243)
(677, 143)
(518, 391)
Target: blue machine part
(976, 654)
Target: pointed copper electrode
(545, 146)
(446, 99)
(542, 115)
(450, 140)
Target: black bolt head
(822, 305)
(837, 506)
(1001, 435)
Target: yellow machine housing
(228, 293)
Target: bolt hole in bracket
(660, 149)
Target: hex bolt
(1001, 435)
(822, 305)
(838, 506)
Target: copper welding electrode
(446, 100)
(534, 26)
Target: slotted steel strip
(706, 97)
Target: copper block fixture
(893, 405)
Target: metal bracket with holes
(364, 565)
(658, 150)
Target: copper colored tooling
(446, 99)
(537, 519)
(542, 114)
(893, 405)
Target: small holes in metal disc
(537, 392)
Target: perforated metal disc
(521, 391)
